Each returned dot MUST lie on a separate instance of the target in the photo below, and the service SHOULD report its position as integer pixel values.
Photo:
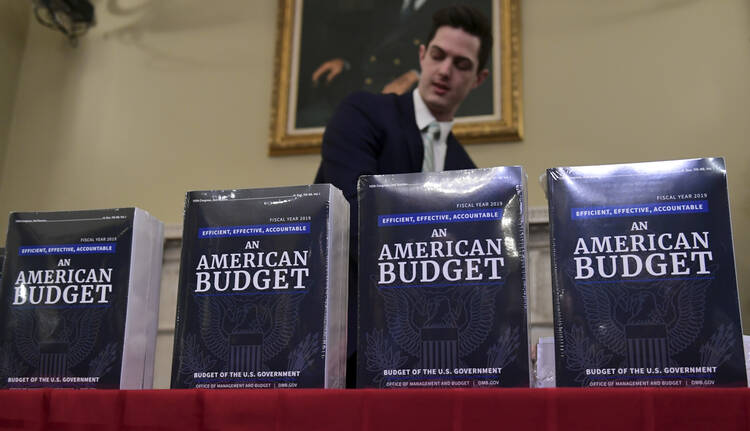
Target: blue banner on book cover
(255, 309)
(64, 299)
(442, 280)
(644, 284)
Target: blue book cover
(262, 293)
(644, 284)
(66, 297)
(442, 280)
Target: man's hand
(331, 68)
(402, 84)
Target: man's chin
(437, 101)
(440, 109)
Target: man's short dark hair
(470, 20)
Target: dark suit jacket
(373, 134)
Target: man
(388, 134)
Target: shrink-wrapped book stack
(80, 299)
(442, 280)
(263, 289)
(644, 285)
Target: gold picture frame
(504, 123)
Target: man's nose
(445, 67)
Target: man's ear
(481, 76)
(422, 51)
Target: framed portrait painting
(327, 49)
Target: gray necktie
(432, 138)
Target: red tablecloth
(391, 410)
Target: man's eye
(437, 55)
(463, 64)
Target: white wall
(14, 22)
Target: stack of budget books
(80, 299)
(263, 289)
(644, 284)
(442, 280)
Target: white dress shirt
(424, 118)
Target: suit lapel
(410, 130)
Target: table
(391, 410)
